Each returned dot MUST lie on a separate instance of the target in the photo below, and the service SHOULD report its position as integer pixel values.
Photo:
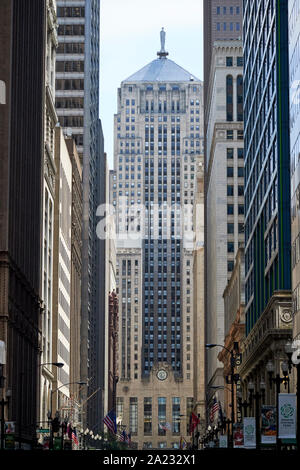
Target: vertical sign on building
(287, 416)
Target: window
(240, 135)
(147, 415)
(176, 415)
(218, 27)
(240, 61)
(229, 190)
(240, 190)
(239, 97)
(133, 415)
(240, 171)
(240, 153)
(230, 172)
(230, 247)
(229, 135)
(230, 228)
(161, 415)
(230, 209)
(241, 209)
(230, 266)
(241, 228)
(229, 61)
(218, 10)
(237, 26)
(229, 153)
(229, 98)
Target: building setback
(22, 71)
(158, 144)
(77, 103)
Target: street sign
(42, 431)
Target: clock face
(162, 374)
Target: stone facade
(224, 173)
(158, 146)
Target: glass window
(230, 228)
(230, 247)
(229, 98)
(229, 190)
(176, 415)
(229, 61)
(230, 209)
(147, 415)
(162, 416)
(230, 265)
(230, 172)
(230, 153)
(240, 153)
(133, 415)
(239, 96)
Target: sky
(130, 39)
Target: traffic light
(55, 425)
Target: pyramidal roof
(162, 69)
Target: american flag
(74, 437)
(122, 436)
(111, 422)
(128, 439)
(165, 427)
(214, 408)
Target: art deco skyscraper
(158, 145)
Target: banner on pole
(287, 415)
(268, 425)
(223, 441)
(238, 436)
(249, 433)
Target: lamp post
(295, 362)
(257, 396)
(233, 378)
(277, 380)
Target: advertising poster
(238, 435)
(249, 433)
(287, 416)
(268, 424)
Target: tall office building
(158, 143)
(294, 75)
(77, 103)
(51, 119)
(268, 306)
(223, 23)
(224, 192)
(22, 70)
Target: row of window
(70, 12)
(228, 26)
(71, 30)
(70, 66)
(70, 48)
(228, 10)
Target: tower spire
(162, 53)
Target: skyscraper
(224, 191)
(268, 306)
(158, 145)
(22, 71)
(77, 102)
(294, 76)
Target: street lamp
(233, 378)
(257, 396)
(277, 380)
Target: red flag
(194, 420)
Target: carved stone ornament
(286, 316)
